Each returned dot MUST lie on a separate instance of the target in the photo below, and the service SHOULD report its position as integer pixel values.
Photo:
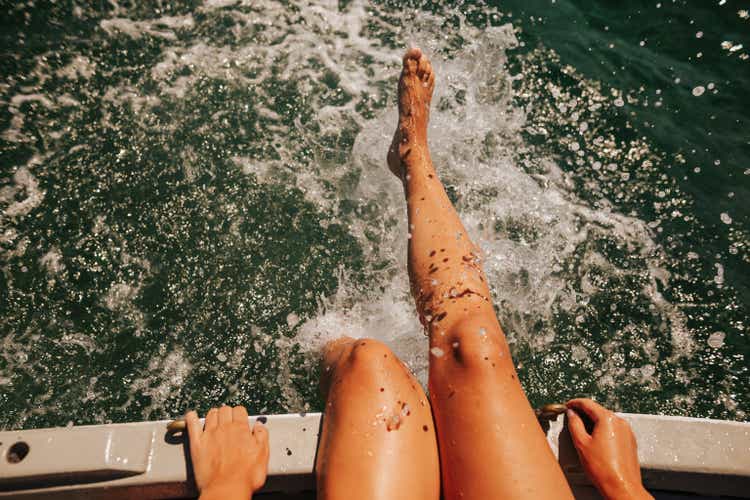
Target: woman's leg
(491, 445)
(378, 440)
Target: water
(194, 198)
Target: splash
(211, 206)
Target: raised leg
(378, 440)
(491, 445)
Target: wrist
(624, 491)
(229, 490)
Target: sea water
(194, 198)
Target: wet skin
(484, 423)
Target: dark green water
(194, 198)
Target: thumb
(577, 429)
(195, 432)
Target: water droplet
(292, 320)
(405, 410)
(437, 352)
(716, 339)
(393, 423)
(725, 218)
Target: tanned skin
(491, 445)
(378, 438)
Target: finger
(577, 429)
(194, 427)
(212, 419)
(591, 408)
(195, 431)
(260, 432)
(225, 415)
(239, 414)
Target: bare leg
(378, 439)
(491, 445)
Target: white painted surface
(140, 460)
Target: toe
(411, 60)
(425, 69)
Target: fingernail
(262, 419)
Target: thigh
(491, 444)
(378, 439)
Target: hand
(609, 454)
(229, 460)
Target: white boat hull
(141, 460)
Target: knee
(476, 347)
(369, 354)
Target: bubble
(699, 34)
(725, 218)
(292, 320)
(699, 90)
(716, 339)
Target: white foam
(167, 371)
(481, 160)
(24, 182)
(153, 27)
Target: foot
(414, 95)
